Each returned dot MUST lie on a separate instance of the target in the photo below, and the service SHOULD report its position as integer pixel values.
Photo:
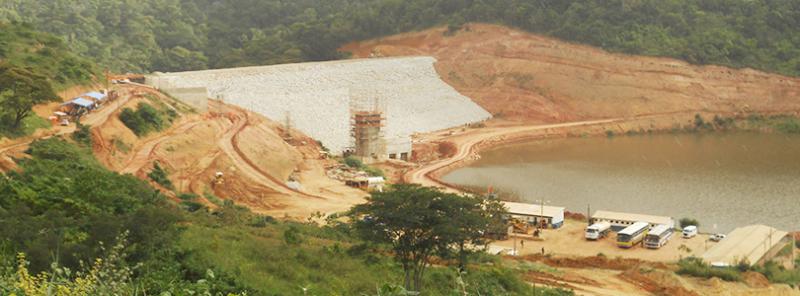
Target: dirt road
(467, 144)
(94, 119)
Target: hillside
(247, 148)
(171, 35)
(520, 76)
(49, 55)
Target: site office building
(552, 217)
(621, 220)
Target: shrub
(353, 162)
(192, 206)
(159, 175)
(693, 266)
(373, 172)
(689, 221)
(776, 273)
(789, 126)
(188, 196)
(291, 236)
(144, 120)
(82, 134)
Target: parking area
(569, 240)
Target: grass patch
(284, 258)
(695, 267)
(354, 162)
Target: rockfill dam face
(317, 96)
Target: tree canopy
(171, 35)
(420, 222)
(20, 90)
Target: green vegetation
(160, 176)
(82, 134)
(773, 271)
(33, 65)
(696, 267)
(688, 221)
(64, 208)
(20, 90)
(45, 54)
(418, 222)
(354, 162)
(171, 35)
(146, 119)
(776, 273)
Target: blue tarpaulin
(95, 95)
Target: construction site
(325, 99)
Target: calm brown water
(729, 180)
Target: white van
(689, 231)
(597, 230)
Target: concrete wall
(196, 97)
(398, 146)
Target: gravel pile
(317, 96)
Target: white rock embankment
(317, 96)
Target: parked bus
(597, 230)
(658, 236)
(632, 235)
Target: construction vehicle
(218, 179)
(519, 226)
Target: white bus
(658, 236)
(632, 235)
(597, 230)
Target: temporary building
(621, 220)
(80, 102)
(536, 214)
(95, 95)
(754, 244)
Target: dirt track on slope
(247, 148)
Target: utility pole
(589, 213)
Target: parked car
(690, 231)
(717, 237)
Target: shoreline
(470, 143)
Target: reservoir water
(722, 179)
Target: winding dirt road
(467, 148)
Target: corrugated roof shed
(527, 209)
(95, 95)
(608, 215)
(748, 243)
(80, 102)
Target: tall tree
(419, 222)
(20, 90)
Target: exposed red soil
(519, 76)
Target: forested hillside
(46, 54)
(171, 35)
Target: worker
(542, 251)
(521, 244)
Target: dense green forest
(171, 35)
